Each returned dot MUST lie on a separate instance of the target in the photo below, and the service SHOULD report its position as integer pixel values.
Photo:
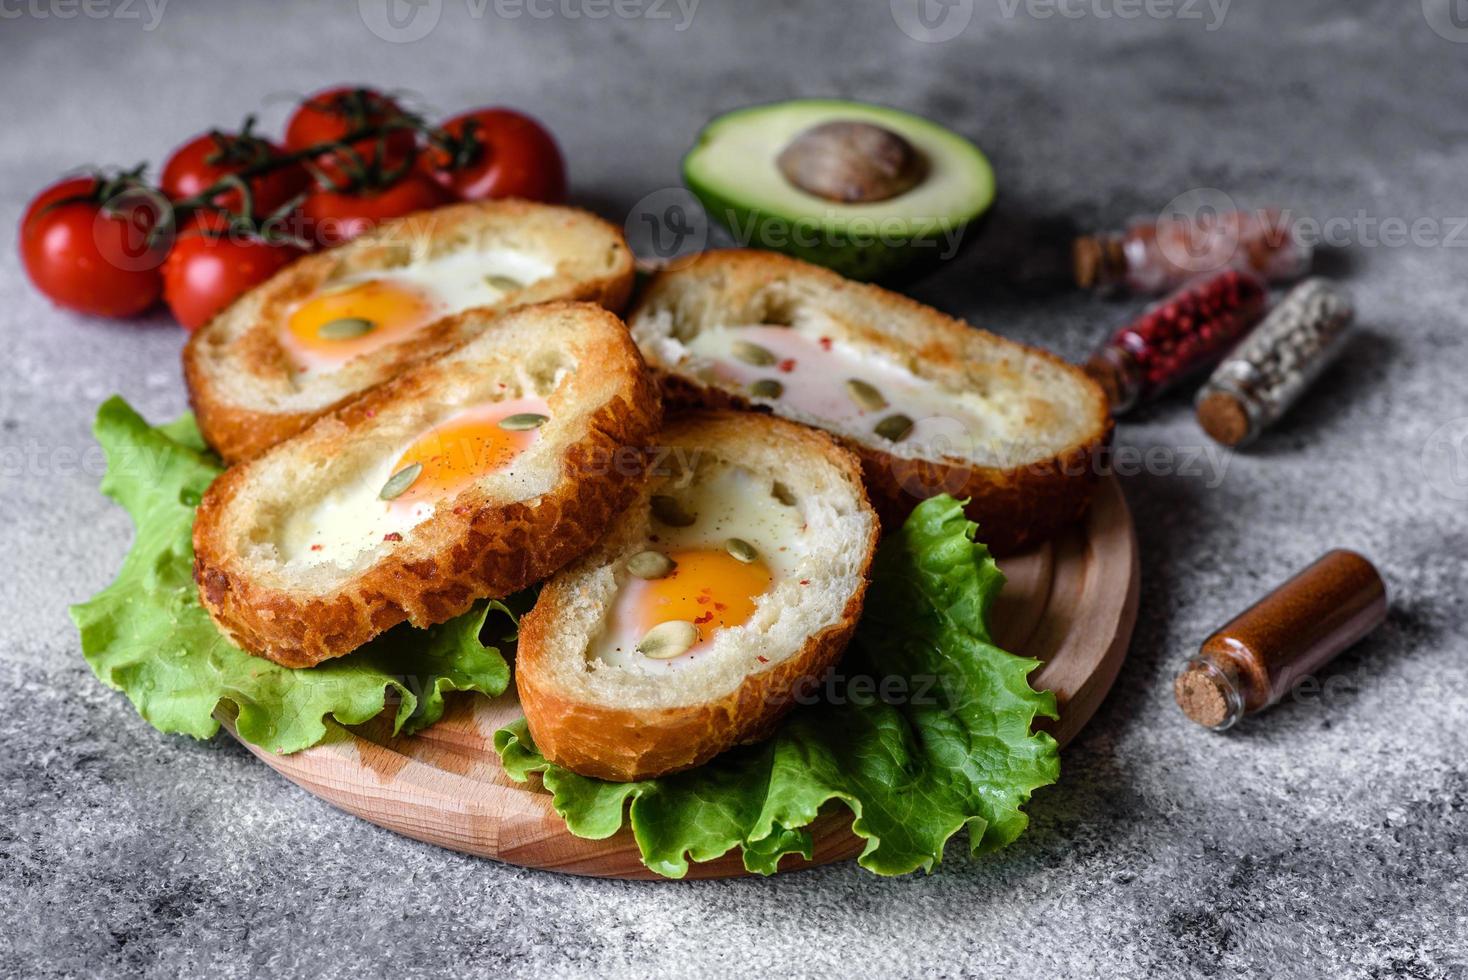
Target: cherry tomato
(90, 261)
(206, 159)
(517, 157)
(205, 273)
(333, 217)
(332, 114)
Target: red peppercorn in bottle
(1188, 331)
(1154, 256)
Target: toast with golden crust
(247, 391)
(1012, 429)
(306, 552)
(601, 709)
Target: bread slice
(299, 560)
(1014, 430)
(249, 393)
(598, 706)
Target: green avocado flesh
(733, 170)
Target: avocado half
(733, 170)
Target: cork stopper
(1097, 262)
(1224, 417)
(1116, 372)
(1208, 695)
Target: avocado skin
(888, 260)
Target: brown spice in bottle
(1259, 656)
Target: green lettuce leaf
(147, 635)
(924, 729)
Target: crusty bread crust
(622, 743)
(239, 378)
(474, 546)
(1015, 505)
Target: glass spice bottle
(1178, 336)
(1265, 374)
(1153, 256)
(1260, 655)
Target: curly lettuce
(147, 635)
(924, 730)
(928, 731)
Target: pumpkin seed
(741, 550)
(399, 482)
(346, 328)
(867, 397)
(767, 388)
(783, 494)
(650, 565)
(502, 282)
(751, 353)
(894, 427)
(523, 422)
(668, 640)
(670, 512)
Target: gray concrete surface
(1328, 838)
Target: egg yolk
(336, 326)
(709, 588)
(457, 452)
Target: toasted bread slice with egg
(475, 474)
(333, 324)
(715, 601)
(930, 404)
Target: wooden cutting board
(1070, 603)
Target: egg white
(813, 369)
(460, 281)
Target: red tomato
(332, 217)
(89, 261)
(206, 159)
(333, 113)
(204, 273)
(517, 157)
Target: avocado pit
(852, 162)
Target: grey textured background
(1327, 838)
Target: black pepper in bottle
(1266, 373)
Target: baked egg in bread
(735, 577)
(359, 314)
(471, 475)
(930, 404)
(334, 324)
